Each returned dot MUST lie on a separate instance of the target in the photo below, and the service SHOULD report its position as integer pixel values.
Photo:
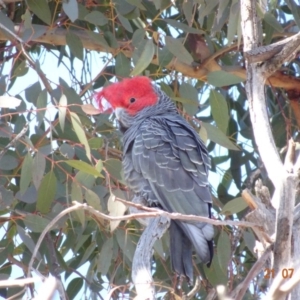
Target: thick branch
(267, 52)
(141, 264)
(287, 53)
(285, 184)
(57, 36)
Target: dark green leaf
(29, 196)
(207, 8)
(84, 167)
(85, 179)
(74, 287)
(88, 253)
(217, 136)
(20, 69)
(182, 26)
(234, 206)
(250, 240)
(77, 125)
(176, 48)
(93, 200)
(26, 173)
(271, 20)
(34, 32)
(187, 8)
(145, 58)
(294, 7)
(215, 274)
(98, 39)
(41, 104)
(46, 193)
(96, 18)
(27, 240)
(137, 3)
(114, 168)
(32, 92)
(164, 56)
(8, 162)
(67, 151)
(38, 169)
(76, 195)
(75, 45)
(35, 223)
(125, 242)
(122, 66)
(138, 36)
(7, 198)
(219, 110)
(7, 24)
(187, 91)
(224, 251)
(96, 143)
(125, 23)
(105, 256)
(70, 7)
(41, 9)
(222, 78)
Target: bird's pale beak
(118, 111)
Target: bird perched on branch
(166, 163)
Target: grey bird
(166, 163)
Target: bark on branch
(57, 36)
(141, 264)
(285, 183)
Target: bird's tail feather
(201, 238)
(181, 252)
(182, 237)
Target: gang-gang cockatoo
(166, 163)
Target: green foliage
(74, 47)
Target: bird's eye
(132, 100)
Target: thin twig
(95, 213)
(18, 282)
(239, 292)
(15, 139)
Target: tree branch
(57, 36)
(284, 196)
(276, 51)
(141, 264)
(239, 292)
(96, 214)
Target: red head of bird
(131, 95)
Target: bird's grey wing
(169, 157)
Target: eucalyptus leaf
(222, 78)
(75, 45)
(84, 167)
(145, 58)
(70, 7)
(224, 251)
(217, 136)
(77, 125)
(178, 50)
(219, 110)
(96, 18)
(234, 206)
(41, 9)
(46, 193)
